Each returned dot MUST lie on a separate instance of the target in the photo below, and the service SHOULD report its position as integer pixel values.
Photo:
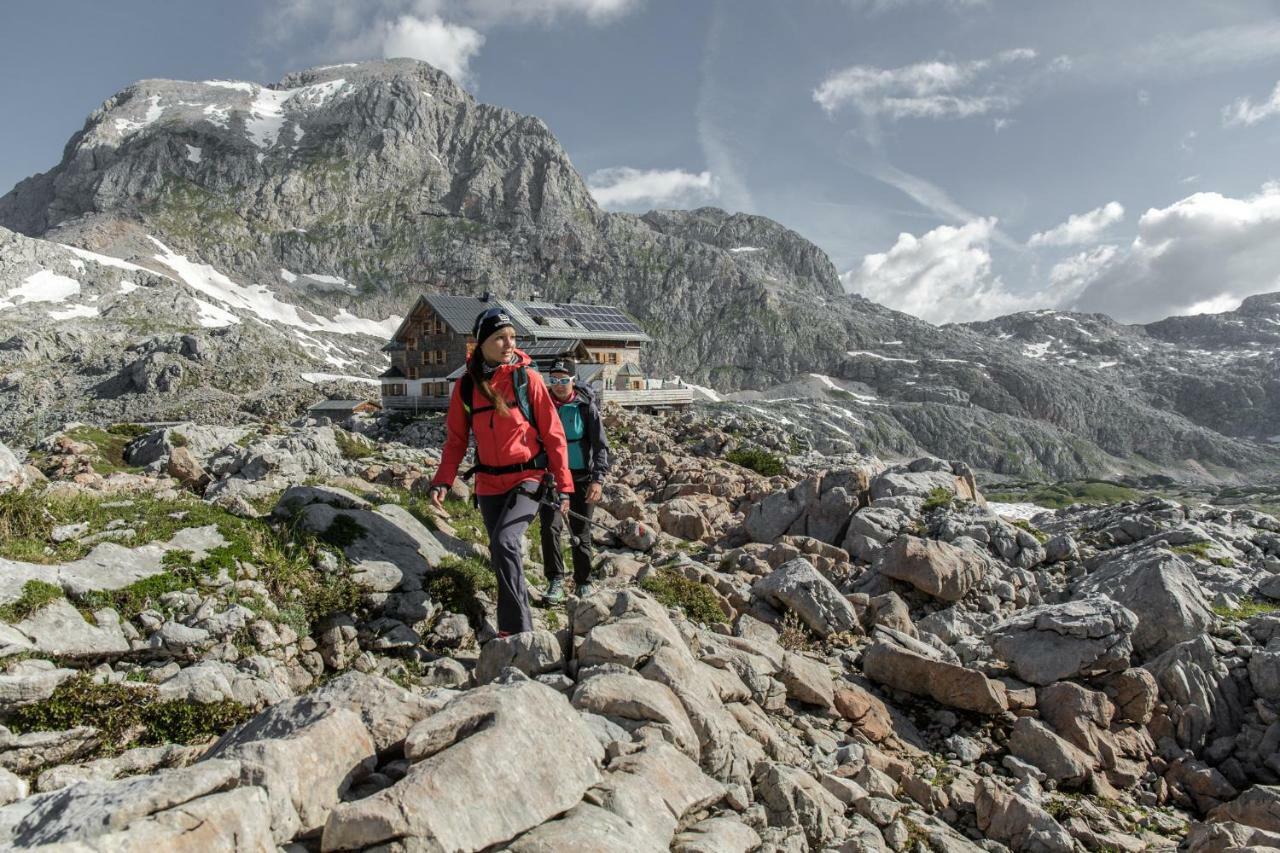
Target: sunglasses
(565, 380)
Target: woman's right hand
(437, 496)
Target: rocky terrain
(222, 251)
(259, 637)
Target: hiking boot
(586, 589)
(555, 592)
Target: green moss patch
(35, 594)
(760, 461)
(938, 498)
(1059, 495)
(126, 715)
(1246, 609)
(455, 583)
(353, 446)
(672, 589)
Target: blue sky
(956, 158)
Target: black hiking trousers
(506, 517)
(553, 526)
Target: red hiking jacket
(506, 440)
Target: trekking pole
(551, 503)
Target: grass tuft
(672, 589)
(126, 715)
(760, 461)
(35, 595)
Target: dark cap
(564, 365)
(489, 321)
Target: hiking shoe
(555, 592)
(586, 589)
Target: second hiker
(588, 464)
(503, 403)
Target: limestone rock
(936, 568)
(1051, 642)
(1159, 589)
(799, 587)
(531, 652)
(469, 758)
(946, 683)
(305, 754)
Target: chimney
(486, 296)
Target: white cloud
(1245, 112)
(1069, 277)
(1198, 254)
(924, 90)
(1144, 98)
(446, 33)
(1080, 228)
(546, 11)
(624, 187)
(449, 47)
(944, 276)
(886, 5)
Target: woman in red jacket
(512, 454)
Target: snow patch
(737, 249)
(314, 378)
(41, 286)
(74, 311)
(127, 286)
(127, 126)
(1108, 364)
(238, 85)
(709, 393)
(221, 116)
(1039, 350)
(213, 317)
(262, 303)
(194, 154)
(1023, 511)
(105, 260)
(287, 276)
(856, 353)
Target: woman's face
(497, 348)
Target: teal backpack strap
(521, 383)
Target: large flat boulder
(306, 754)
(492, 764)
(939, 569)
(946, 683)
(799, 587)
(388, 547)
(1051, 642)
(88, 809)
(1158, 588)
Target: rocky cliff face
(1221, 371)
(324, 204)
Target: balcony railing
(647, 398)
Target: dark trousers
(553, 526)
(506, 517)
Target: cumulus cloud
(449, 47)
(1070, 276)
(623, 186)
(924, 90)
(446, 33)
(1080, 228)
(1245, 112)
(944, 276)
(1206, 252)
